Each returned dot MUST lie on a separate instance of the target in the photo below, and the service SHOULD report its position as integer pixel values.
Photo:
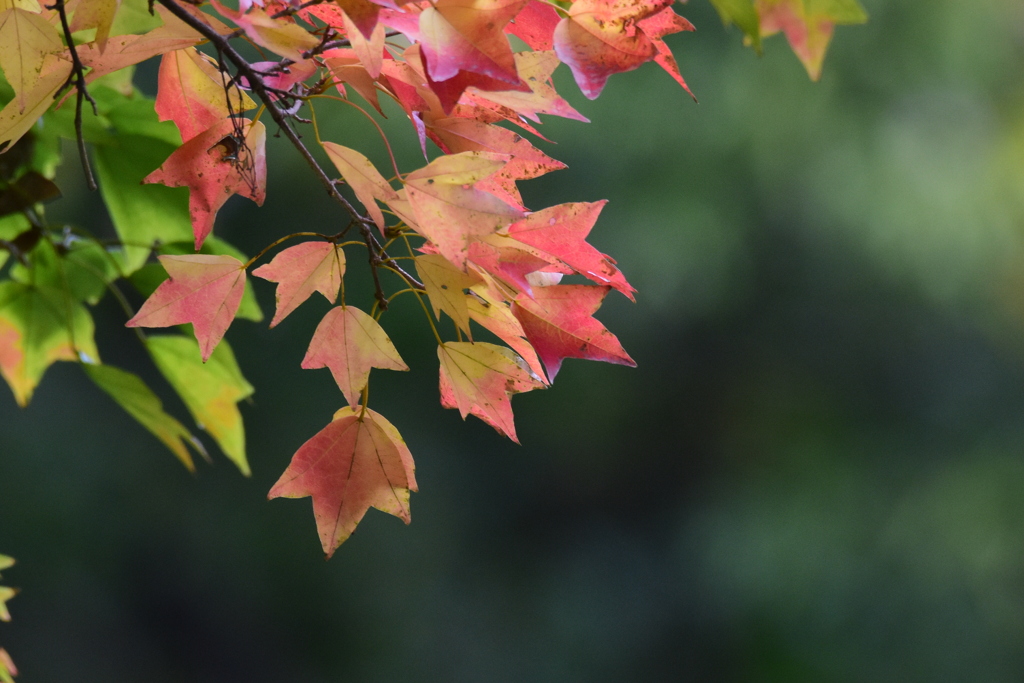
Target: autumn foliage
(472, 78)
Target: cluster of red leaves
(482, 255)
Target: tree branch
(77, 76)
(256, 84)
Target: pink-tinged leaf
(535, 24)
(601, 38)
(466, 35)
(361, 13)
(301, 270)
(283, 79)
(467, 135)
(561, 232)
(449, 210)
(190, 92)
(662, 24)
(808, 25)
(559, 323)
(202, 290)
(445, 286)
(213, 166)
(364, 179)
(495, 316)
(280, 36)
(97, 14)
(26, 39)
(350, 342)
(347, 69)
(535, 68)
(356, 462)
(451, 91)
(369, 48)
(510, 265)
(480, 378)
(125, 50)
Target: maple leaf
(191, 93)
(356, 462)
(445, 284)
(39, 326)
(479, 378)
(97, 14)
(662, 24)
(808, 25)
(210, 389)
(449, 210)
(25, 41)
(534, 25)
(301, 270)
(558, 321)
(601, 38)
(466, 35)
(509, 264)
(213, 166)
(526, 161)
(124, 50)
(560, 231)
(346, 67)
(495, 315)
(7, 667)
(201, 289)
(364, 179)
(283, 37)
(15, 119)
(138, 400)
(350, 342)
(535, 68)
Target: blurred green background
(816, 472)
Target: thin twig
(77, 77)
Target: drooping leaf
(39, 326)
(601, 38)
(301, 270)
(202, 290)
(525, 162)
(139, 401)
(80, 271)
(364, 179)
(743, 14)
(19, 115)
(449, 210)
(191, 92)
(213, 166)
(350, 342)
(534, 25)
(466, 35)
(507, 260)
(445, 284)
(7, 668)
(496, 316)
(97, 14)
(561, 232)
(536, 69)
(6, 593)
(280, 36)
(210, 389)
(356, 462)
(480, 378)
(26, 39)
(808, 25)
(559, 323)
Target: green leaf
(81, 271)
(6, 562)
(210, 391)
(142, 214)
(139, 401)
(5, 595)
(743, 14)
(39, 326)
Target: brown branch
(256, 84)
(77, 77)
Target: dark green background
(816, 472)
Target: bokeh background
(815, 473)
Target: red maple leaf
(356, 462)
(301, 270)
(559, 323)
(201, 289)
